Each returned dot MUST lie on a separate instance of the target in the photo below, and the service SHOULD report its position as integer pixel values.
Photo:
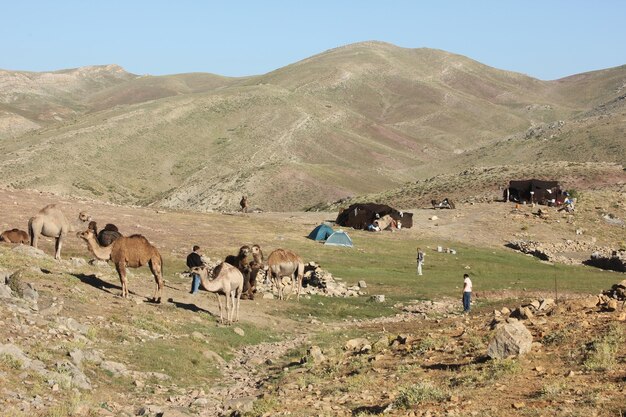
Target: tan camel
(15, 236)
(132, 251)
(285, 263)
(228, 282)
(50, 222)
(84, 217)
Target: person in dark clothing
(194, 259)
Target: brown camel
(132, 251)
(285, 263)
(50, 222)
(228, 282)
(15, 236)
(257, 264)
(106, 236)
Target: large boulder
(511, 339)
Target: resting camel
(107, 235)
(15, 236)
(50, 222)
(228, 282)
(132, 251)
(285, 263)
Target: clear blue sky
(547, 39)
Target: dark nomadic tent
(361, 215)
(321, 232)
(542, 191)
(339, 238)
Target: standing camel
(257, 264)
(50, 222)
(106, 236)
(228, 282)
(132, 251)
(285, 263)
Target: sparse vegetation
(421, 392)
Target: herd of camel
(234, 277)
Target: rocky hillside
(358, 119)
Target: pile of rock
(613, 260)
(615, 298)
(552, 251)
(530, 247)
(316, 281)
(427, 307)
(524, 312)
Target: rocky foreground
(540, 357)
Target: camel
(132, 251)
(240, 262)
(84, 217)
(107, 235)
(50, 222)
(257, 264)
(285, 263)
(228, 282)
(15, 236)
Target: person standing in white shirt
(420, 261)
(467, 293)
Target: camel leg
(279, 287)
(219, 302)
(121, 270)
(238, 302)
(34, 239)
(155, 267)
(57, 247)
(229, 306)
(299, 280)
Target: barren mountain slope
(358, 119)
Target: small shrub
(601, 354)
(10, 362)
(555, 338)
(425, 345)
(500, 368)
(264, 406)
(552, 391)
(412, 395)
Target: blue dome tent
(339, 238)
(321, 232)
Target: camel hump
(137, 236)
(49, 207)
(111, 227)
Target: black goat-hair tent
(543, 191)
(361, 215)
